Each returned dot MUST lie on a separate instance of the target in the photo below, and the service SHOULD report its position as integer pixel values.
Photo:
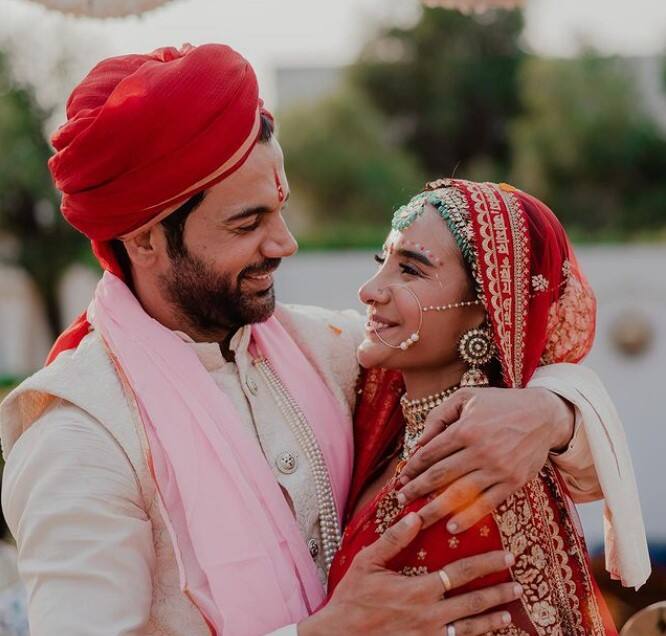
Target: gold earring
(476, 348)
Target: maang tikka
(476, 348)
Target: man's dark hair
(174, 224)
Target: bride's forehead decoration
(538, 302)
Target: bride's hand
(373, 600)
(479, 447)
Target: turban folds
(144, 133)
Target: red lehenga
(541, 310)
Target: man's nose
(280, 242)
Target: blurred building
(305, 85)
(26, 337)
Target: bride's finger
(461, 494)
(478, 509)
(437, 476)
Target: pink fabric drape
(241, 556)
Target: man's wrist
(562, 420)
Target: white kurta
(78, 494)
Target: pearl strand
(328, 517)
(462, 303)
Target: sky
(274, 33)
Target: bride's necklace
(415, 413)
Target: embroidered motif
(540, 283)
(484, 531)
(388, 510)
(511, 630)
(421, 554)
(570, 324)
(528, 529)
(454, 542)
(566, 270)
(414, 570)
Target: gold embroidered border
(529, 529)
(486, 206)
(521, 263)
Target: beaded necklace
(415, 413)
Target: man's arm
(482, 445)
(575, 461)
(85, 544)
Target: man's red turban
(144, 133)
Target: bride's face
(420, 265)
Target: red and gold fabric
(541, 310)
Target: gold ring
(446, 581)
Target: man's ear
(147, 248)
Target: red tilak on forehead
(278, 185)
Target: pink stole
(241, 556)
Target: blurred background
(564, 99)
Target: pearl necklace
(415, 413)
(328, 516)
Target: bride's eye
(407, 269)
(379, 259)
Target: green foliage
(585, 147)
(340, 154)
(456, 94)
(450, 83)
(28, 201)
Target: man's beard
(212, 302)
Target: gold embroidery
(421, 554)
(484, 531)
(454, 542)
(529, 530)
(540, 283)
(521, 264)
(388, 510)
(414, 570)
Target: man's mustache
(268, 266)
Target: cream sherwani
(79, 497)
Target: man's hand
(496, 441)
(372, 600)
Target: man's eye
(379, 259)
(248, 228)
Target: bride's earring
(476, 348)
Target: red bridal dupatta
(541, 310)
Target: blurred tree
(341, 158)
(45, 244)
(586, 147)
(449, 85)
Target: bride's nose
(371, 293)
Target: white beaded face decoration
(414, 338)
